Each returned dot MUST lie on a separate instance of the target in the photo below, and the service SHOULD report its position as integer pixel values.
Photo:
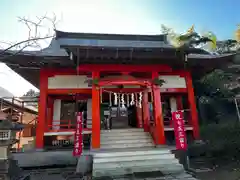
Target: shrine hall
(135, 80)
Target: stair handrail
(20, 133)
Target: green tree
(189, 39)
(216, 88)
(31, 93)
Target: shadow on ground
(217, 170)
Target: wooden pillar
(96, 124)
(146, 115)
(157, 110)
(192, 105)
(42, 108)
(50, 103)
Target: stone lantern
(8, 166)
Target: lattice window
(5, 134)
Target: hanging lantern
(115, 99)
(122, 101)
(127, 100)
(140, 100)
(136, 99)
(110, 99)
(119, 99)
(132, 99)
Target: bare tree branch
(41, 28)
(25, 41)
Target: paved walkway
(36, 159)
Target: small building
(138, 79)
(20, 112)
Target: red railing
(64, 125)
(61, 124)
(167, 120)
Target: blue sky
(115, 16)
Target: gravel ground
(68, 174)
(229, 171)
(217, 170)
(51, 174)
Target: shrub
(220, 140)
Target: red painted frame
(95, 69)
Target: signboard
(78, 137)
(180, 135)
(63, 143)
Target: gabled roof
(117, 41)
(105, 36)
(92, 48)
(8, 97)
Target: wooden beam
(124, 68)
(68, 91)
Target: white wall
(56, 114)
(73, 81)
(173, 82)
(67, 81)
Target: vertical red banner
(78, 138)
(179, 130)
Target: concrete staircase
(128, 151)
(27, 143)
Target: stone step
(179, 176)
(133, 145)
(122, 134)
(160, 157)
(139, 163)
(127, 151)
(126, 141)
(131, 130)
(124, 137)
(131, 152)
(165, 169)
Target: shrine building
(138, 80)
